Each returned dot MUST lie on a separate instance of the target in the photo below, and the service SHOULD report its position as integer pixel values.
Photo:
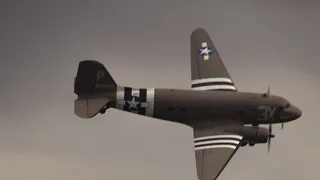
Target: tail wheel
(103, 110)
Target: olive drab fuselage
(192, 106)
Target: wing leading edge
(213, 151)
(207, 69)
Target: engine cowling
(250, 134)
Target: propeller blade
(270, 129)
(268, 90)
(269, 137)
(282, 125)
(269, 145)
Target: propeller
(282, 125)
(270, 135)
(267, 93)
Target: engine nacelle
(250, 134)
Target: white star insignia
(133, 103)
(205, 51)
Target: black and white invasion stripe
(136, 100)
(213, 84)
(217, 141)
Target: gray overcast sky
(146, 44)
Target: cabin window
(241, 112)
(170, 109)
(206, 112)
(183, 109)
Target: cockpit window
(286, 105)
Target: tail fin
(95, 88)
(93, 77)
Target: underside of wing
(207, 69)
(213, 151)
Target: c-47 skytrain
(213, 106)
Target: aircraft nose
(297, 112)
(292, 113)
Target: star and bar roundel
(134, 100)
(205, 51)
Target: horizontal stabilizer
(89, 107)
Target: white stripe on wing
(217, 141)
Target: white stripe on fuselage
(149, 104)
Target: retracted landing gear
(244, 143)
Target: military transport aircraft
(213, 106)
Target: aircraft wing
(214, 148)
(207, 69)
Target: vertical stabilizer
(95, 88)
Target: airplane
(223, 118)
